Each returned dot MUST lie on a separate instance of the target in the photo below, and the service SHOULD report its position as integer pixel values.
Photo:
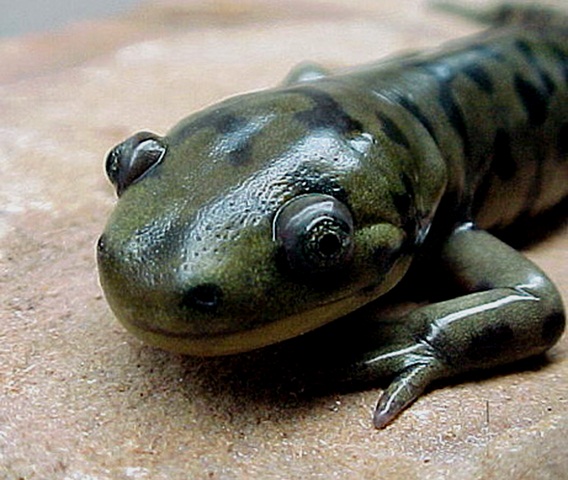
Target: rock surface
(81, 399)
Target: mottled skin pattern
(273, 213)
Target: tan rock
(80, 398)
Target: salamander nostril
(206, 297)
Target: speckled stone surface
(81, 399)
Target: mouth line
(247, 336)
(146, 327)
(155, 330)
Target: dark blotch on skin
(503, 163)
(226, 124)
(221, 122)
(490, 342)
(229, 124)
(455, 115)
(392, 131)
(532, 59)
(552, 327)
(526, 50)
(534, 101)
(241, 154)
(235, 127)
(405, 205)
(204, 298)
(444, 73)
(414, 110)
(480, 77)
(327, 114)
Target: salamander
(273, 213)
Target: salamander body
(273, 213)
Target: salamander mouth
(230, 337)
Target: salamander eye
(130, 160)
(316, 234)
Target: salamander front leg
(510, 311)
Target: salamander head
(241, 227)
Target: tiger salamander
(273, 213)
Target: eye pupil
(329, 244)
(327, 238)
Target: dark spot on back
(228, 123)
(392, 131)
(490, 342)
(480, 76)
(552, 327)
(237, 135)
(444, 72)
(220, 121)
(415, 111)
(455, 116)
(503, 162)
(236, 132)
(241, 154)
(327, 114)
(533, 100)
(526, 50)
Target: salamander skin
(273, 213)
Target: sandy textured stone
(81, 399)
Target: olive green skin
(423, 151)
(198, 220)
